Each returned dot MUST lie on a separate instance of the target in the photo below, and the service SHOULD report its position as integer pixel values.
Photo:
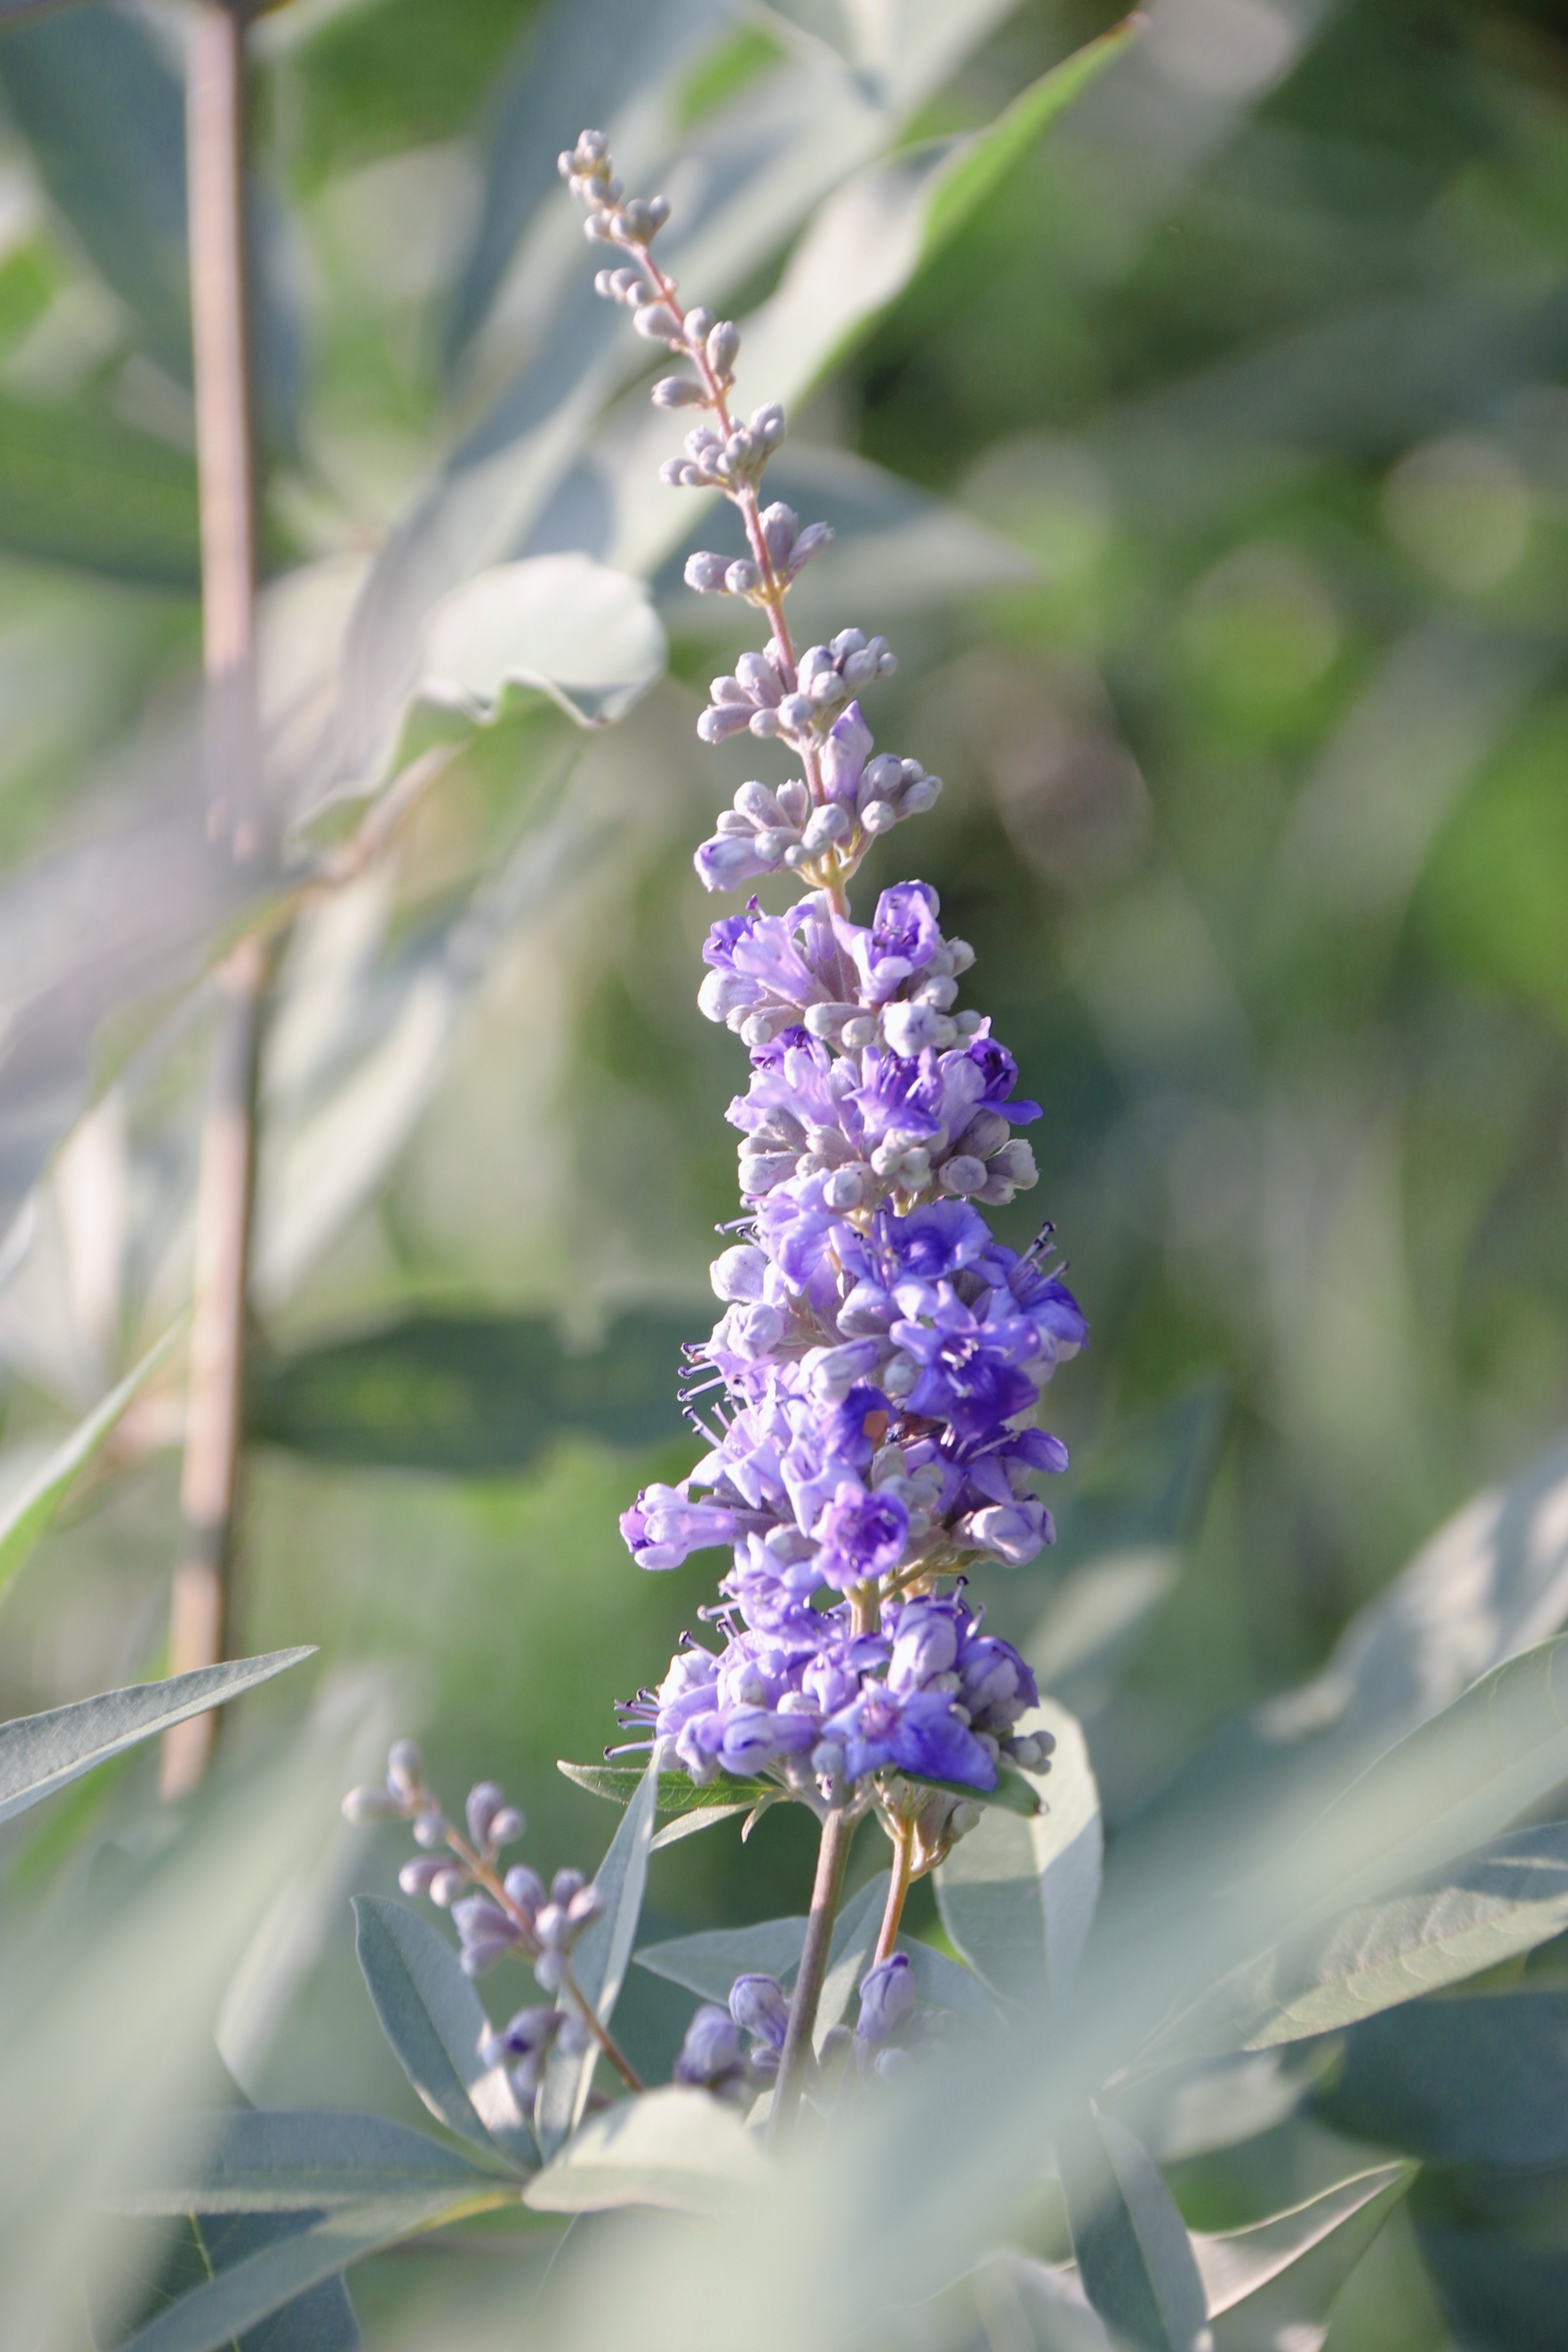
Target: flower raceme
(876, 1371)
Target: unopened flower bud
(742, 577)
(485, 1800)
(698, 324)
(657, 322)
(677, 391)
(759, 2006)
(524, 1887)
(711, 2047)
(961, 1175)
(405, 1768)
(364, 1805)
(705, 573)
(886, 1996)
(447, 1883)
(417, 1876)
(508, 1826)
(722, 347)
(430, 1830)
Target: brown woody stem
(832, 1855)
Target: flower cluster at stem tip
(873, 1380)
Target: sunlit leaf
(709, 1964)
(673, 2147)
(27, 1513)
(1273, 2284)
(1504, 1900)
(678, 1792)
(1133, 2252)
(435, 2021)
(41, 1753)
(1017, 1896)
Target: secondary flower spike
(869, 1392)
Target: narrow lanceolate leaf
(28, 1513)
(1481, 2078)
(1273, 2285)
(1133, 2252)
(599, 1963)
(709, 1964)
(41, 1753)
(677, 1794)
(249, 2291)
(1017, 1896)
(673, 2147)
(435, 2021)
(705, 1817)
(983, 162)
(255, 2160)
(1506, 1899)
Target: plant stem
(220, 337)
(832, 1855)
(898, 1893)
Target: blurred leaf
(269, 2160)
(1095, 1620)
(1018, 1897)
(578, 63)
(1504, 1900)
(672, 2147)
(41, 1753)
(104, 117)
(1475, 2078)
(105, 120)
(896, 547)
(471, 1394)
(599, 1962)
(584, 634)
(1498, 2293)
(27, 1513)
(1133, 2252)
(1272, 2284)
(754, 169)
(678, 1792)
(279, 2270)
(204, 2245)
(986, 160)
(79, 487)
(435, 2021)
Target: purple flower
(860, 1534)
(903, 940)
(917, 1732)
(886, 1998)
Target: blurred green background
(1247, 685)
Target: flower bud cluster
(525, 2042)
(713, 2056)
(881, 1356)
(789, 550)
(494, 1915)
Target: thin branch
(220, 338)
(832, 1855)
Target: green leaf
(27, 1515)
(677, 1793)
(435, 2021)
(704, 1817)
(854, 1934)
(80, 486)
(1133, 2252)
(473, 1395)
(586, 636)
(1017, 1896)
(1274, 2284)
(673, 2147)
(709, 1964)
(269, 2160)
(321, 2319)
(41, 1753)
(985, 160)
(599, 1963)
(1478, 2078)
(104, 118)
(1498, 2293)
(1507, 1899)
(261, 2283)
(1015, 1791)
(1096, 1620)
